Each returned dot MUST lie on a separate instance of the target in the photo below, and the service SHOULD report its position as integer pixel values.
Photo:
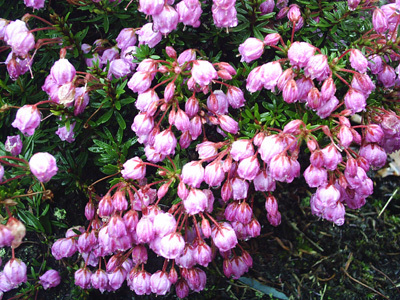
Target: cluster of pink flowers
(14, 271)
(18, 37)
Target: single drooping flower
(13, 144)
(300, 53)
(358, 61)
(35, 4)
(66, 133)
(15, 271)
(50, 279)
(203, 72)
(27, 119)
(134, 168)
(43, 165)
(251, 49)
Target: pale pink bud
(43, 165)
(228, 124)
(203, 72)
(15, 271)
(318, 68)
(374, 154)
(379, 21)
(134, 168)
(251, 49)
(159, 283)
(172, 245)
(315, 176)
(195, 202)
(147, 36)
(270, 74)
(150, 7)
(355, 100)
(300, 53)
(82, 278)
(165, 142)
(248, 168)
(166, 21)
(387, 76)
(294, 13)
(358, 61)
(224, 236)
(27, 119)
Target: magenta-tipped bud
(159, 283)
(134, 168)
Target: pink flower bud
(140, 82)
(27, 119)
(224, 236)
(235, 97)
(82, 278)
(387, 76)
(99, 280)
(270, 74)
(165, 142)
(159, 283)
(145, 230)
(290, 92)
(272, 39)
(318, 68)
(189, 15)
(248, 168)
(327, 108)
(352, 4)
(379, 21)
(147, 36)
(304, 85)
(358, 61)
(294, 13)
(150, 7)
(15, 271)
(105, 207)
(50, 279)
(172, 245)
(355, 100)
(214, 174)
(284, 168)
(6, 236)
(43, 166)
(166, 21)
(195, 202)
(300, 53)
(374, 154)
(13, 144)
(223, 16)
(375, 64)
(251, 49)
(315, 176)
(140, 283)
(134, 168)
(203, 72)
(228, 124)
(217, 102)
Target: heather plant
(170, 124)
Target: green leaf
(267, 290)
(120, 120)
(104, 118)
(106, 24)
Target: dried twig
(363, 284)
(388, 278)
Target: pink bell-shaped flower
(43, 165)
